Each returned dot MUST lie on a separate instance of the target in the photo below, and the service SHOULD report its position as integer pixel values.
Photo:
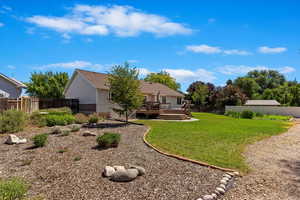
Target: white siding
(81, 89)
(9, 88)
(271, 110)
(103, 104)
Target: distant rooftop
(13, 81)
(262, 103)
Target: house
(262, 103)
(92, 90)
(10, 87)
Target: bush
(38, 119)
(12, 121)
(40, 140)
(12, 189)
(93, 119)
(109, 140)
(59, 120)
(81, 118)
(232, 114)
(74, 127)
(58, 111)
(258, 114)
(65, 132)
(247, 114)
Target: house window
(179, 100)
(163, 99)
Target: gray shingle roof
(262, 103)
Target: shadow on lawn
(292, 168)
(118, 124)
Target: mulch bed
(55, 175)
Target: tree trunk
(126, 115)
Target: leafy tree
(163, 77)
(229, 95)
(200, 94)
(125, 88)
(248, 86)
(47, 85)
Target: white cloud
(270, 50)
(243, 69)
(102, 20)
(144, 71)
(203, 49)
(72, 65)
(188, 76)
(206, 49)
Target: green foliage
(81, 118)
(47, 85)
(12, 121)
(214, 139)
(164, 78)
(248, 86)
(74, 127)
(12, 189)
(247, 114)
(200, 94)
(58, 111)
(258, 114)
(59, 120)
(109, 140)
(233, 114)
(40, 140)
(93, 118)
(65, 132)
(77, 158)
(125, 88)
(38, 119)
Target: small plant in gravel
(26, 162)
(65, 132)
(75, 127)
(12, 121)
(77, 158)
(108, 140)
(40, 140)
(81, 118)
(62, 150)
(56, 130)
(12, 189)
(93, 119)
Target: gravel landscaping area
(70, 167)
(275, 174)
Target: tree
(125, 88)
(200, 94)
(248, 86)
(163, 77)
(229, 95)
(47, 85)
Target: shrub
(93, 119)
(12, 189)
(56, 130)
(62, 150)
(77, 158)
(40, 140)
(81, 118)
(60, 120)
(12, 121)
(65, 132)
(38, 119)
(109, 140)
(74, 127)
(232, 114)
(258, 114)
(247, 114)
(58, 111)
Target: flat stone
(88, 133)
(227, 176)
(199, 199)
(214, 195)
(208, 197)
(236, 173)
(124, 176)
(108, 171)
(222, 186)
(223, 182)
(13, 139)
(226, 179)
(119, 168)
(140, 169)
(220, 190)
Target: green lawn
(215, 139)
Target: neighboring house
(10, 87)
(92, 90)
(262, 103)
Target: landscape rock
(208, 197)
(214, 195)
(220, 190)
(108, 171)
(227, 176)
(223, 182)
(140, 169)
(124, 176)
(222, 186)
(88, 133)
(119, 168)
(56, 130)
(13, 139)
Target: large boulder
(13, 139)
(119, 168)
(108, 171)
(124, 175)
(140, 169)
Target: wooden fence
(73, 104)
(25, 104)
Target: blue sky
(193, 40)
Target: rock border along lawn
(225, 183)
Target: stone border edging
(181, 157)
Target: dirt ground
(275, 174)
(76, 173)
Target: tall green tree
(163, 77)
(125, 88)
(248, 86)
(47, 85)
(200, 94)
